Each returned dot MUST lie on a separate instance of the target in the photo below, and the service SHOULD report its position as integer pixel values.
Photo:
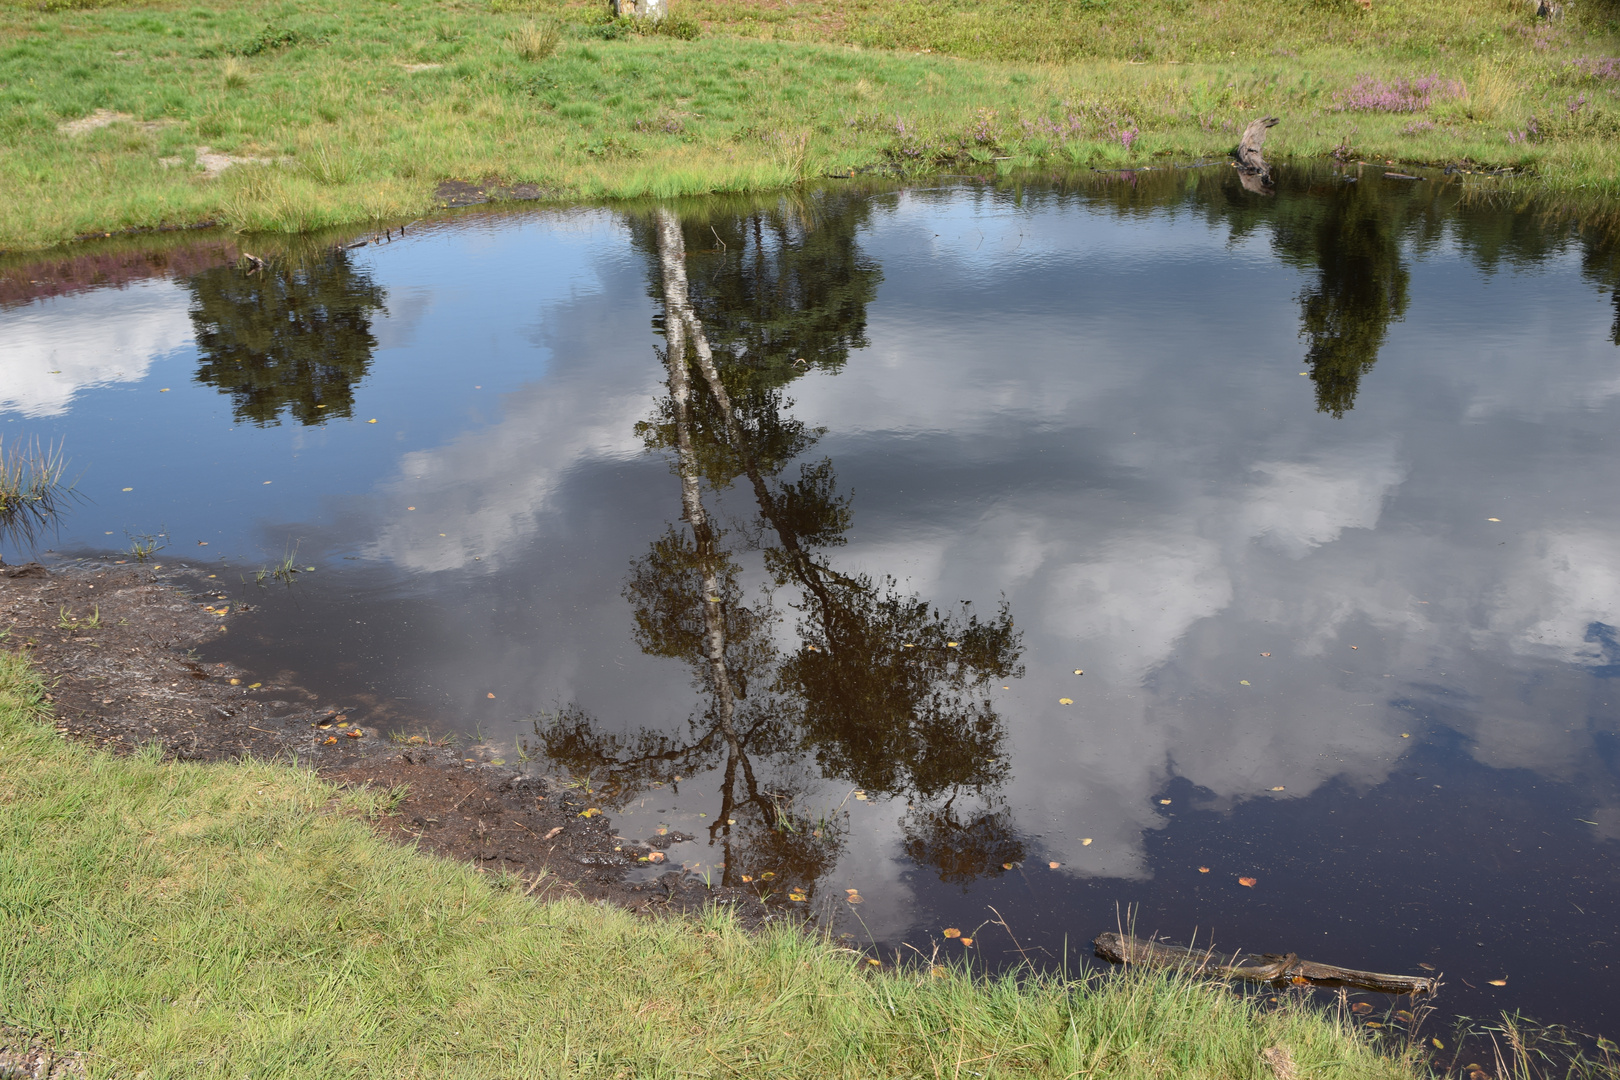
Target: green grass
(179, 920)
(334, 97)
(33, 489)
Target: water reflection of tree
(294, 336)
(883, 691)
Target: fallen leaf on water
(952, 932)
(410, 508)
(371, 421)
(968, 942)
(342, 722)
(855, 898)
(767, 875)
(1086, 842)
(1243, 682)
(357, 733)
(1361, 1008)
(555, 830)
(1006, 866)
(663, 831)
(1065, 701)
(1374, 1024)
(1265, 654)
(1203, 869)
(129, 489)
(1077, 671)
(952, 644)
(1426, 967)
(1498, 982)
(1402, 1014)
(1052, 865)
(1355, 646)
(1438, 1045)
(254, 685)
(1164, 802)
(1279, 787)
(852, 892)
(1406, 734)
(165, 390)
(875, 963)
(1493, 519)
(489, 695)
(592, 812)
(1247, 882)
(748, 879)
(330, 739)
(655, 856)
(797, 897)
(860, 796)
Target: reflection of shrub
(1400, 96)
(536, 41)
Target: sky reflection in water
(1235, 458)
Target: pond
(1055, 553)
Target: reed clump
(33, 488)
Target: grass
(360, 108)
(33, 489)
(183, 920)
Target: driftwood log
(1264, 967)
(1252, 168)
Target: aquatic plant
(33, 489)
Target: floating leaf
(357, 733)
(968, 942)
(1077, 671)
(1374, 1024)
(1065, 701)
(1498, 982)
(330, 739)
(1493, 519)
(1355, 646)
(1402, 1014)
(371, 421)
(952, 932)
(1406, 734)
(1247, 882)
(592, 812)
(797, 897)
(254, 685)
(1361, 1008)
(655, 856)
(874, 963)
(952, 644)
(1265, 654)
(1243, 682)
(1052, 865)
(1438, 1045)
(855, 898)
(1006, 866)
(1203, 869)
(767, 875)
(747, 879)
(1279, 787)
(1164, 802)
(491, 696)
(236, 682)
(1426, 967)
(1086, 842)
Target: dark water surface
(1319, 490)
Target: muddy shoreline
(117, 642)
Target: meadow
(291, 117)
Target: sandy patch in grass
(106, 118)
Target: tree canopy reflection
(881, 690)
(293, 337)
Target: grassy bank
(355, 109)
(178, 920)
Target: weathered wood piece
(1252, 167)
(1264, 967)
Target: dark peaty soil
(116, 643)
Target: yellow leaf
(655, 856)
(236, 682)
(1203, 869)
(1438, 1045)
(1499, 982)
(1065, 701)
(952, 932)
(1164, 802)
(1279, 787)
(489, 696)
(797, 897)
(254, 685)
(747, 878)
(357, 733)
(767, 875)
(1247, 882)
(330, 739)
(1006, 866)
(1493, 519)
(371, 421)
(968, 942)
(952, 644)
(855, 898)
(1086, 842)
(1243, 682)
(1052, 865)
(592, 812)
(875, 963)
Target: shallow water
(1317, 490)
